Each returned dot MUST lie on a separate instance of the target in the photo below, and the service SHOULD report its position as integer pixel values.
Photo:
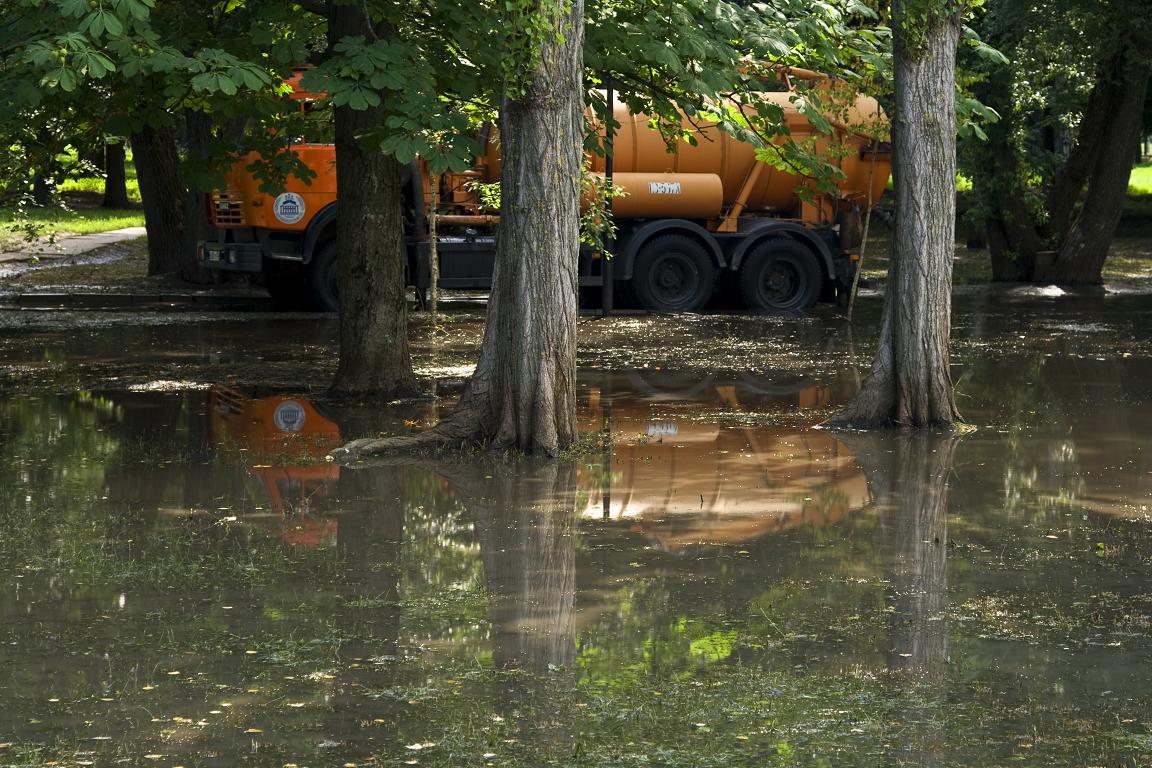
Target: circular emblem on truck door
(288, 207)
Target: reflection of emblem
(289, 207)
(289, 416)
(661, 429)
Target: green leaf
(113, 25)
(226, 85)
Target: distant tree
(910, 384)
(115, 174)
(1051, 179)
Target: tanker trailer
(687, 219)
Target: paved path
(73, 245)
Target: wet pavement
(189, 583)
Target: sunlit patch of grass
(1140, 182)
(15, 225)
(94, 185)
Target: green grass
(56, 222)
(94, 185)
(1140, 182)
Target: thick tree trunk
(1085, 201)
(523, 393)
(115, 176)
(1085, 242)
(910, 384)
(197, 225)
(158, 170)
(374, 356)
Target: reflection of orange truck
(688, 217)
(284, 441)
(684, 482)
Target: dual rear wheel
(676, 273)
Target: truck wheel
(673, 273)
(287, 284)
(322, 278)
(780, 276)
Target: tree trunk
(115, 176)
(45, 170)
(523, 393)
(374, 356)
(1086, 197)
(197, 225)
(910, 384)
(158, 170)
(1085, 243)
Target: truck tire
(673, 273)
(287, 284)
(322, 278)
(780, 275)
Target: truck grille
(228, 209)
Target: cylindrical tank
(643, 163)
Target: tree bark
(522, 395)
(374, 357)
(197, 225)
(1085, 200)
(158, 170)
(910, 384)
(115, 176)
(1085, 243)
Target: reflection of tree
(525, 523)
(371, 529)
(908, 477)
(370, 533)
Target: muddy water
(189, 583)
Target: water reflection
(908, 476)
(717, 579)
(684, 480)
(525, 524)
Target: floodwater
(189, 583)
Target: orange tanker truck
(687, 218)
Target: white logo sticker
(289, 416)
(289, 207)
(664, 187)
